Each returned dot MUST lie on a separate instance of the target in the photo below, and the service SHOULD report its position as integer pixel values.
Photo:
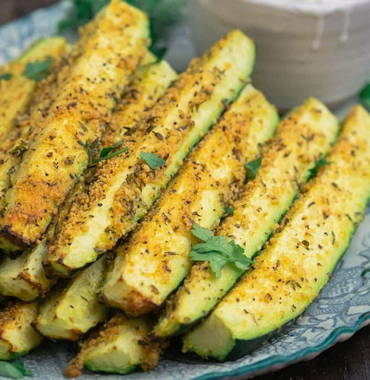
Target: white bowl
(304, 47)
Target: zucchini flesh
(302, 138)
(24, 277)
(16, 93)
(153, 262)
(58, 156)
(17, 336)
(299, 260)
(119, 347)
(126, 187)
(73, 309)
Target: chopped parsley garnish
(228, 210)
(38, 70)
(153, 160)
(109, 152)
(13, 370)
(162, 13)
(320, 163)
(252, 167)
(365, 272)
(6, 76)
(365, 96)
(218, 251)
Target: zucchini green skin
(17, 335)
(73, 309)
(120, 346)
(16, 94)
(291, 271)
(127, 187)
(99, 71)
(302, 138)
(154, 261)
(25, 277)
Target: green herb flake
(252, 167)
(13, 370)
(38, 70)
(365, 96)
(109, 152)
(218, 251)
(153, 160)
(228, 210)
(6, 76)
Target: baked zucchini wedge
(27, 126)
(120, 346)
(302, 138)
(290, 272)
(72, 309)
(17, 89)
(58, 155)
(127, 185)
(24, 277)
(17, 336)
(154, 261)
(149, 84)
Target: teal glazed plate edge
(342, 308)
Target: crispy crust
(57, 156)
(156, 255)
(117, 192)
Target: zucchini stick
(17, 91)
(58, 156)
(17, 335)
(291, 271)
(154, 261)
(128, 184)
(25, 277)
(302, 138)
(120, 346)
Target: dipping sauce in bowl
(304, 47)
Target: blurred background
(11, 9)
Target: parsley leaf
(6, 76)
(153, 160)
(365, 272)
(228, 210)
(253, 167)
(13, 370)
(38, 70)
(109, 152)
(365, 96)
(218, 251)
(319, 164)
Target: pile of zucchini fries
(138, 204)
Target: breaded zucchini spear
(154, 261)
(120, 346)
(24, 277)
(291, 271)
(209, 179)
(127, 185)
(17, 335)
(58, 155)
(16, 89)
(302, 138)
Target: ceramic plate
(341, 309)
